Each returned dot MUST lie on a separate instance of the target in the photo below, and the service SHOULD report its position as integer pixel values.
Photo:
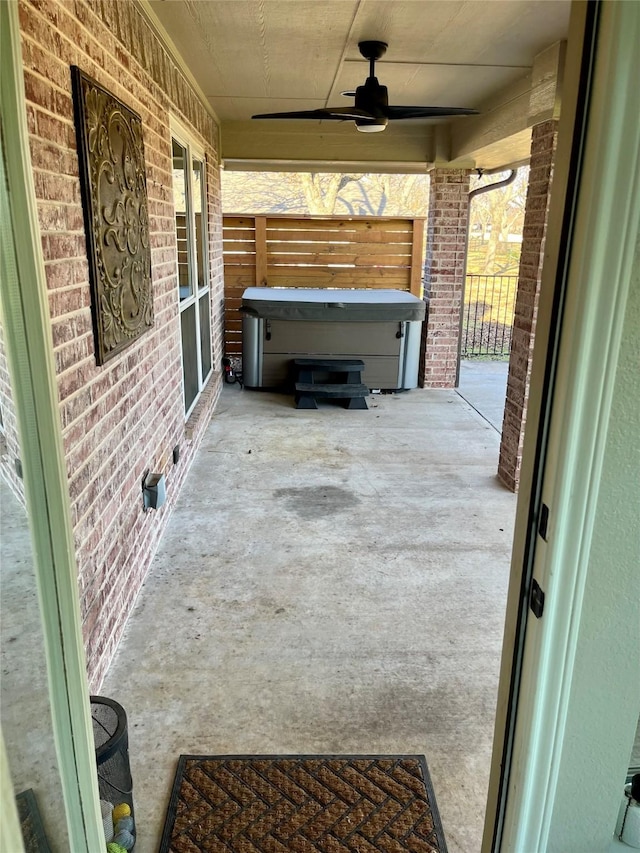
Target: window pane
(205, 335)
(199, 206)
(189, 355)
(182, 231)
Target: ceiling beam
(546, 89)
(330, 146)
(501, 134)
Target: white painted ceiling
(256, 56)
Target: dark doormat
(278, 804)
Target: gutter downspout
(503, 183)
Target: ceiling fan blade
(427, 112)
(330, 113)
(371, 111)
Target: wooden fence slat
(239, 221)
(324, 217)
(248, 234)
(322, 259)
(338, 278)
(243, 262)
(361, 274)
(237, 277)
(416, 257)
(237, 296)
(403, 236)
(241, 281)
(261, 251)
(247, 246)
(316, 224)
(292, 246)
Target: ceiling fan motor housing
(373, 99)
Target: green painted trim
(10, 834)
(30, 354)
(602, 254)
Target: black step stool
(330, 378)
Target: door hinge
(536, 599)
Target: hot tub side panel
(375, 343)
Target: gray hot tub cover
(301, 303)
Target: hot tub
(381, 327)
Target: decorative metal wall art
(114, 196)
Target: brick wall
(444, 274)
(122, 418)
(543, 148)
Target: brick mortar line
(79, 312)
(87, 459)
(112, 389)
(52, 232)
(51, 202)
(40, 109)
(66, 288)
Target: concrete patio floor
(331, 581)
(483, 384)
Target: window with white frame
(190, 202)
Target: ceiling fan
(371, 111)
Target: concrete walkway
(331, 582)
(483, 384)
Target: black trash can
(111, 738)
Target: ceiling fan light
(371, 127)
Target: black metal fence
(487, 317)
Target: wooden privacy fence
(317, 251)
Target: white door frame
(594, 269)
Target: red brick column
(444, 273)
(543, 147)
